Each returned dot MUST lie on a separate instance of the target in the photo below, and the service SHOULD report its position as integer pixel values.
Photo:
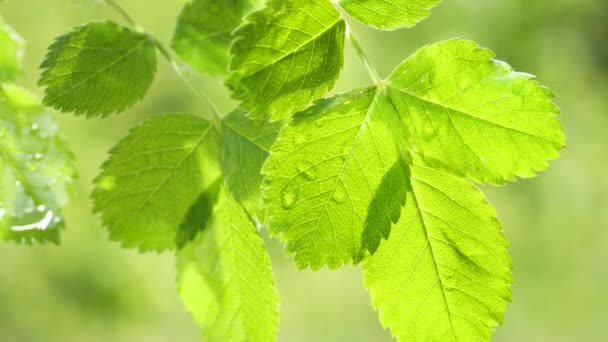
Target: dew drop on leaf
(307, 169)
(518, 85)
(289, 198)
(339, 194)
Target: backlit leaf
(203, 34)
(286, 56)
(225, 278)
(153, 178)
(98, 69)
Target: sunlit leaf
(445, 272)
(153, 178)
(244, 148)
(286, 56)
(226, 281)
(202, 37)
(389, 14)
(98, 69)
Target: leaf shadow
(385, 208)
(199, 215)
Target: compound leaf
(322, 174)
(98, 69)
(244, 147)
(389, 14)
(445, 272)
(153, 178)
(286, 55)
(36, 170)
(203, 34)
(472, 114)
(225, 278)
(11, 53)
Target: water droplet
(345, 152)
(346, 103)
(319, 123)
(289, 198)
(463, 83)
(307, 169)
(424, 79)
(483, 159)
(38, 156)
(299, 139)
(35, 126)
(518, 85)
(34, 221)
(339, 194)
(41, 208)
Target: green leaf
(389, 14)
(244, 147)
(36, 170)
(472, 114)
(98, 69)
(153, 178)
(225, 279)
(287, 55)
(450, 103)
(11, 53)
(202, 37)
(322, 174)
(445, 272)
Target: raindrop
(518, 85)
(319, 123)
(307, 169)
(339, 194)
(463, 83)
(35, 221)
(38, 156)
(288, 198)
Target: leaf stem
(124, 14)
(178, 67)
(371, 70)
(181, 70)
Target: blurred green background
(89, 289)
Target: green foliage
(445, 272)
(35, 170)
(245, 144)
(152, 179)
(473, 115)
(322, 175)
(10, 54)
(225, 278)
(202, 36)
(286, 56)
(379, 175)
(388, 14)
(98, 69)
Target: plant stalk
(177, 66)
